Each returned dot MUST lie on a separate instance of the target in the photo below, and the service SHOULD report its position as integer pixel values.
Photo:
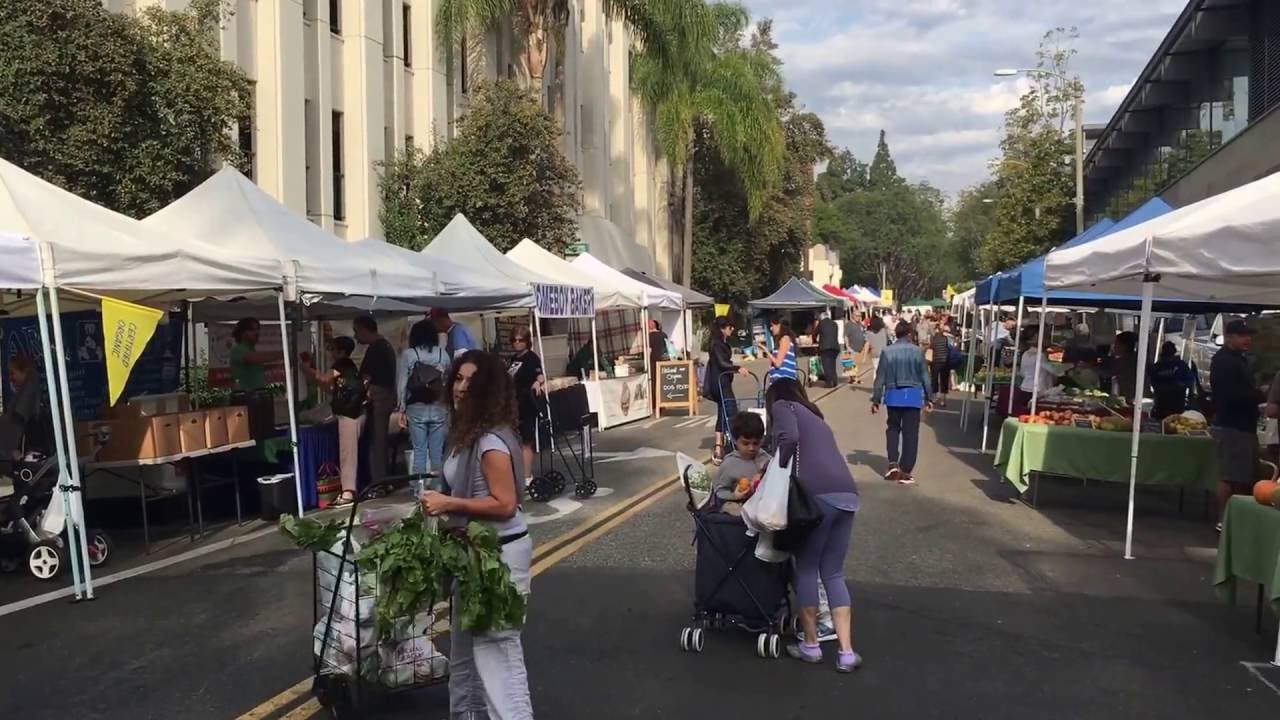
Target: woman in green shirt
(248, 366)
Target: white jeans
(487, 678)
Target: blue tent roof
(1028, 279)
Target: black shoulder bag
(803, 514)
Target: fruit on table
(1115, 424)
(743, 485)
(1264, 492)
(1177, 424)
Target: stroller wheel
(762, 645)
(99, 548)
(685, 635)
(44, 560)
(775, 647)
(586, 488)
(540, 490)
(557, 481)
(698, 640)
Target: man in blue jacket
(902, 384)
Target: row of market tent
(233, 251)
(1216, 255)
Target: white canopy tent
(78, 246)
(1221, 249)
(609, 296)
(650, 296)
(459, 286)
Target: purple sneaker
(803, 652)
(848, 661)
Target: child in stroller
(29, 531)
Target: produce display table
(1249, 549)
(194, 489)
(1186, 462)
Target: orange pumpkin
(1264, 491)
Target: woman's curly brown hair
(490, 401)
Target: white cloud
(921, 69)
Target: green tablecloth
(1100, 455)
(1249, 549)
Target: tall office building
(341, 85)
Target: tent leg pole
(989, 382)
(1017, 344)
(1035, 388)
(75, 520)
(973, 348)
(537, 436)
(291, 399)
(55, 412)
(1148, 289)
(595, 350)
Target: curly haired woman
(487, 670)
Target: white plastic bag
(766, 552)
(767, 509)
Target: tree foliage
(130, 113)
(1035, 176)
(735, 258)
(970, 221)
(883, 224)
(503, 170)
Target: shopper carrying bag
(766, 509)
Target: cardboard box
(150, 406)
(237, 419)
(142, 438)
(215, 427)
(191, 431)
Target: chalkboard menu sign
(677, 386)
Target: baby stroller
(32, 519)
(732, 587)
(740, 404)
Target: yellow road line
(279, 702)
(303, 711)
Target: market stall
(1249, 551)
(803, 300)
(678, 327)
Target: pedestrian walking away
(878, 339)
(717, 385)
(487, 675)
(424, 365)
(902, 385)
(940, 365)
(855, 339)
(806, 443)
(829, 349)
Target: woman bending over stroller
(803, 436)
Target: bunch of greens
(310, 534)
(417, 566)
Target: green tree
(886, 230)
(1034, 175)
(130, 113)
(971, 220)
(700, 80)
(503, 170)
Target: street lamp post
(1079, 121)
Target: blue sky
(921, 69)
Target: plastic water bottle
(417, 487)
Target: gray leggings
(823, 557)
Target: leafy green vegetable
(311, 535)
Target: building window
(244, 139)
(406, 14)
(335, 17)
(339, 192)
(408, 141)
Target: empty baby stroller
(732, 587)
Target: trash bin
(277, 496)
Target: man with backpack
(945, 351)
(423, 367)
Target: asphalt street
(967, 604)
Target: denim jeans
(428, 426)
(902, 435)
(487, 677)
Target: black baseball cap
(1239, 327)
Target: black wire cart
(732, 587)
(353, 668)
(564, 432)
(726, 380)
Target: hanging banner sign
(128, 328)
(563, 301)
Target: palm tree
(693, 74)
(536, 20)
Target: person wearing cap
(458, 337)
(1235, 414)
